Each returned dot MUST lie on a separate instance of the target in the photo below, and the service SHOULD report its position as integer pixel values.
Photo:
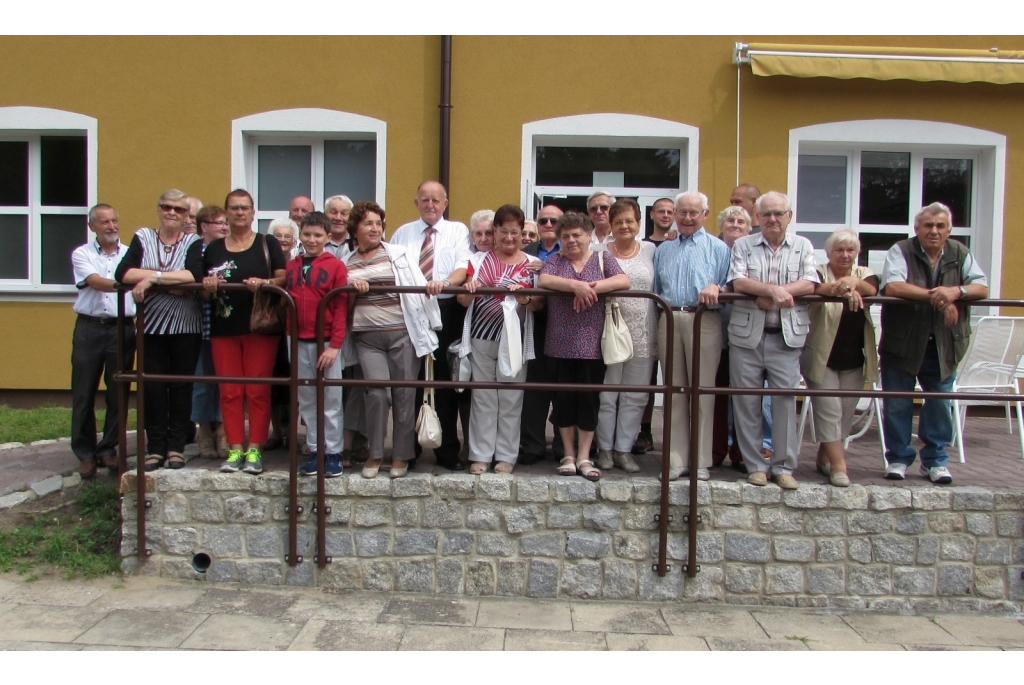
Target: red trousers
(250, 355)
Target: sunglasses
(173, 208)
(546, 221)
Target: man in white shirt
(94, 345)
(337, 209)
(598, 206)
(444, 248)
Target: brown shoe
(758, 478)
(87, 469)
(222, 442)
(786, 481)
(207, 443)
(767, 454)
(109, 461)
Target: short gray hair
(343, 198)
(96, 208)
(840, 236)
(174, 195)
(774, 194)
(732, 210)
(287, 223)
(481, 215)
(933, 208)
(599, 193)
(693, 195)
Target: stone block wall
(890, 548)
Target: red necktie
(427, 253)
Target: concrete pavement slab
(821, 628)
(727, 644)
(56, 592)
(721, 623)
(363, 606)
(618, 618)
(241, 600)
(518, 640)
(29, 646)
(620, 642)
(452, 638)
(142, 628)
(949, 648)
(821, 646)
(5, 607)
(232, 631)
(347, 636)
(540, 615)
(901, 630)
(991, 631)
(170, 598)
(436, 610)
(41, 623)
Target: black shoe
(451, 463)
(643, 444)
(739, 466)
(527, 458)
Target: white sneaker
(703, 474)
(896, 471)
(937, 474)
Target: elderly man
(194, 205)
(443, 249)
(923, 342)
(766, 336)
(598, 206)
(745, 195)
(94, 345)
(337, 208)
(537, 403)
(299, 207)
(689, 271)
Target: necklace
(632, 253)
(169, 251)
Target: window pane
(885, 188)
(350, 168)
(63, 182)
(61, 235)
(575, 166)
(285, 172)
(263, 225)
(821, 189)
(14, 238)
(14, 173)
(949, 181)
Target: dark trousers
(446, 402)
(720, 448)
(94, 354)
(579, 409)
(537, 403)
(169, 405)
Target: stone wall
(875, 547)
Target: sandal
(503, 467)
(346, 459)
(478, 467)
(587, 470)
(175, 460)
(154, 462)
(567, 466)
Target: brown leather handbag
(268, 308)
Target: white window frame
(921, 139)
(31, 124)
(301, 126)
(607, 130)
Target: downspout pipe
(444, 161)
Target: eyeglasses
(689, 213)
(599, 208)
(547, 221)
(239, 208)
(215, 223)
(174, 208)
(774, 214)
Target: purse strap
(428, 394)
(266, 254)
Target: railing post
(141, 503)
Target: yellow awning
(883, 63)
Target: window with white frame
(873, 176)
(318, 153)
(47, 184)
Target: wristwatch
(963, 292)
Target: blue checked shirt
(685, 266)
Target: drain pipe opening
(201, 562)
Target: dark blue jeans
(934, 426)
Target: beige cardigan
(824, 325)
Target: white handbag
(616, 342)
(428, 427)
(510, 347)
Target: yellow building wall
(165, 107)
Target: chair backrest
(997, 345)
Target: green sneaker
(233, 464)
(253, 462)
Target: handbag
(428, 427)
(268, 308)
(616, 342)
(461, 368)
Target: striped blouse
(375, 311)
(167, 313)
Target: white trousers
(618, 420)
(333, 422)
(494, 418)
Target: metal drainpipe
(444, 163)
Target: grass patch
(80, 540)
(45, 422)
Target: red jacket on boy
(324, 274)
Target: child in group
(310, 276)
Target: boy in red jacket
(310, 276)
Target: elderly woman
(287, 233)
(840, 351)
(243, 256)
(173, 325)
(212, 224)
(481, 230)
(530, 233)
(391, 332)
(495, 414)
(574, 332)
(618, 421)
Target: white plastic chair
(990, 366)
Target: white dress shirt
(451, 246)
(90, 259)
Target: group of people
(516, 336)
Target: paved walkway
(154, 613)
